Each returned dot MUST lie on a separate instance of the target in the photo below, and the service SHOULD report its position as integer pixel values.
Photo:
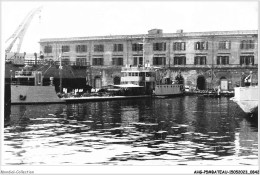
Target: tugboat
(145, 76)
(139, 77)
(28, 89)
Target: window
(201, 45)
(138, 61)
(117, 61)
(222, 60)
(99, 48)
(65, 60)
(118, 47)
(179, 46)
(65, 48)
(200, 60)
(159, 60)
(247, 60)
(224, 45)
(247, 44)
(159, 46)
(148, 74)
(81, 48)
(179, 60)
(97, 61)
(81, 60)
(137, 47)
(48, 49)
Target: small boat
(28, 89)
(168, 90)
(247, 99)
(212, 95)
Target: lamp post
(11, 76)
(143, 51)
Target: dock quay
(101, 97)
(210, 94)
(74, 99)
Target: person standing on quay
(242, 81)
(248, 79)
(179, 78)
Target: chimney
(180, 31)
(35, 55)
(155, 32)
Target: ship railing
(72, 63)
(23, 73)
(138, 69)
(32, 62)
(27, 82)
(24, 82)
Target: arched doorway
(116, 80)
(97, 82)
(201, 82)
(223, 83)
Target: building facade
(206, 59)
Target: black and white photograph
(129, 87)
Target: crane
(21, 30)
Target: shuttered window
(222, 60)
(159, 46)
(48, 49)
(247, 44)
(97, 61)
(65, 48)
(178, 46)
(137, 47)
(224, 45)
(179, 60)
(81, 48)
(201, 45)
(99, 48)
(200, 60)
(247, 60)
(118, 47)
(117, 61)
(159, 61)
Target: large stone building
(206, 59)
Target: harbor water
(189, 130)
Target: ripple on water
(139, 138)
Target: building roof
(49, 71)
(163, 35)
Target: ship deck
(100, 98)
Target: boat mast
(144, 62)
(212, 65)
(60, 70)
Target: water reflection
(184, 130)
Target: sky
(98, 18)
